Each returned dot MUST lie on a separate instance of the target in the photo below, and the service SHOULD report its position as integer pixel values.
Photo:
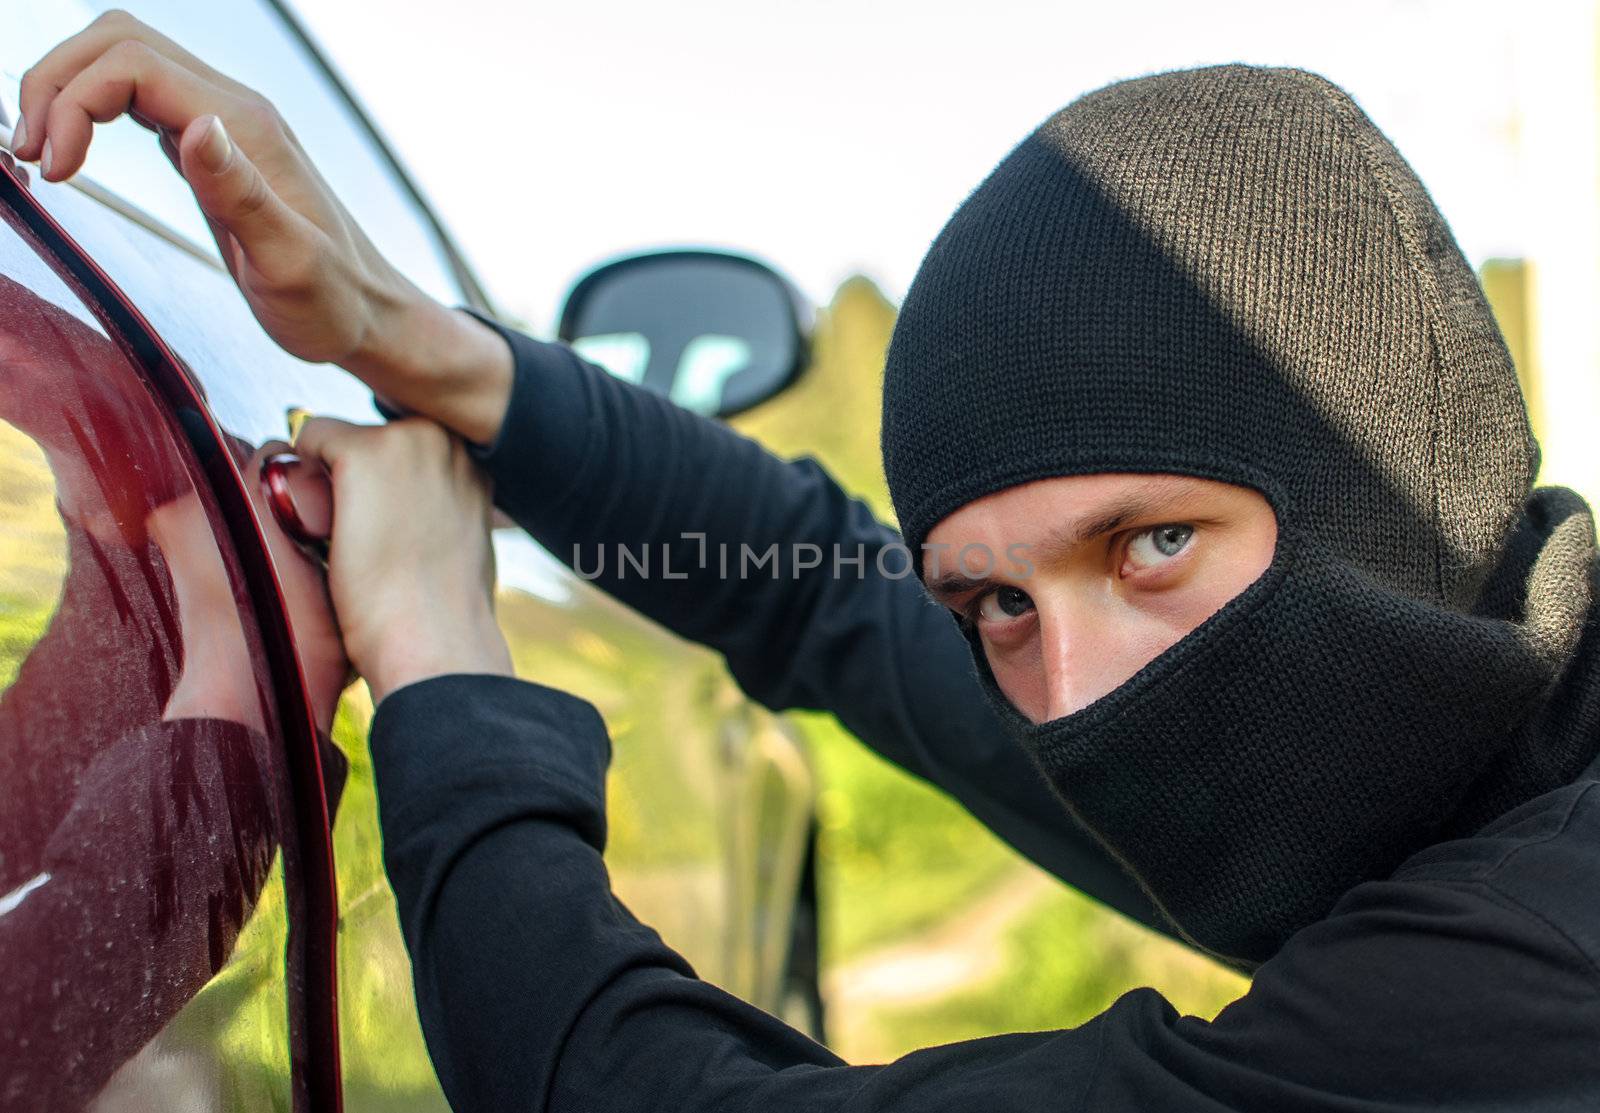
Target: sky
(835, 137)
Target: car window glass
(247, 40)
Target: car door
(172, 307)
(687, 747)
(161, 800)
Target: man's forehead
(1071, 508)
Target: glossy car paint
(148, 794)
(710, 799)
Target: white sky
(836, 136)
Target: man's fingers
(392, 449)
(330, 440)
(147, 77)
(50, 74)
(56, 70)
(133, 76)
(128, 77)
(237, 199)
(227, 246)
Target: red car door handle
(301, 497)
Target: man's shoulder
(1541, 858)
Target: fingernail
(44, 159)
(216, 149)
(19, 137)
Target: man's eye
(1004, 603)
(1151, 547)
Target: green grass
(1065, 961)
(896, 856)
(385, 1064)
(899, 860)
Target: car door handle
(301, 497)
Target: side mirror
(715, 332)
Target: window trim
(477, 298)
(125, 208)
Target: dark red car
(193, 911)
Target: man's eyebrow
(1145, 503)
(1141, 504)
(1105, 522)
(954, 583)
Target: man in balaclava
(1368, 776)
(1360, 777)
(1232, 274)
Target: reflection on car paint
(196, 310)
(144, 903)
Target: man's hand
(312, 277)
(411, 568)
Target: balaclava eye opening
(1231, 273)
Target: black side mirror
(715, 332)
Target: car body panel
(145, 921)
(710, 798)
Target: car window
(248, 40)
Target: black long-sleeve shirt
(1470, 980)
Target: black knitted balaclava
(1231, 273)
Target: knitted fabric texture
(1231, 273)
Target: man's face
(1076, 583)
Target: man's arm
(538, 990)
(611, 462)
(590, 465)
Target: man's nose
(1082, 658)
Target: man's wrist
(485, 655)
(438, 362)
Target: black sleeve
(589, 464)
(538, 990)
